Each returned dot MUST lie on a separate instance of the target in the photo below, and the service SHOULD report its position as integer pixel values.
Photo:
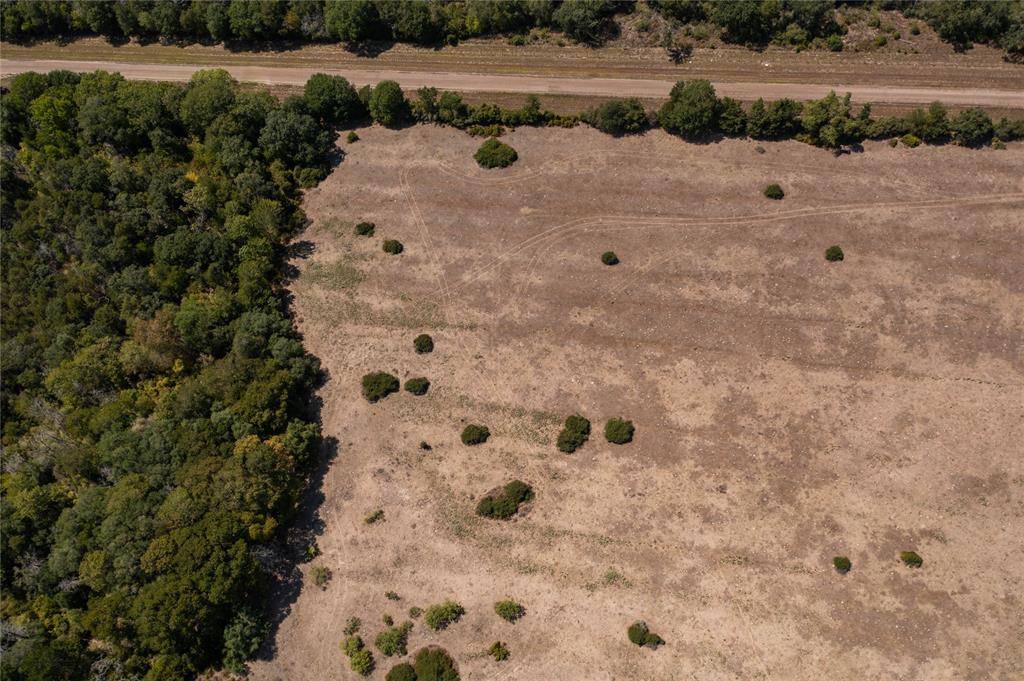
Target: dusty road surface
(539, 84)
(787, 409)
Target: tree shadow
(370, 49)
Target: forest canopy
(157, 430)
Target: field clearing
(788, 410)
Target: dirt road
(540, 84)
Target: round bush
(475, 435)
(575, 432)
(609, 258)
(417, 386)
(435, 664)
(392, 641)
(365, 229)
(640, 635)
(910, 140)
(495, 154)
(618, 431)
(423, 344)
(440, 615)
(361, 662)
(509, 610)
(352, 137)
(504, 503)
(842, 564)
(378, 385)
(911, 559)
(401, 672)
(774, 191)
(833, 254)
(393, 246)
(387, 104)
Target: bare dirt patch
(787, 409)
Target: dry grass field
(787, 409)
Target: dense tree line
(429, 22)
(156, 426)
(695, 112)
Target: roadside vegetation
(359, 24)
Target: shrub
(504, 502)
(321, 576)
(834, 43)
(388, 620)
(417, 386)
(387, 104)
(609, 258)
(972, 128)
(690, 110)
(361, 662)
(401, 672)
(509, 610)
(435, 664)
(392, 596)
(475, 435)
(640, 635)
(393, 246)
(392, 641)
(378, 385)
(499, 651)
(374, 517)
(911, 559)
(618, 117)
(352, 644)
(352, 137)
(773, 191)
(495, 154)
(732, 119)
(574, 433)
(910, 140)
(415, 612)
(423, 344)
(352, 625)
(833, 254)
(842, 564)
(618, 431)
(365, 229)
(440, 615)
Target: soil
(787, 409)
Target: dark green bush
(640, 635)
(333, 99)
(392, 641)
(509, 610)
(732, 119)
(618, 431)
(972, 128)
(690, 110)
(365, 229)
(499, 651)
(833, 254)
(435, 664)
(842, 564)
(618, 117)
(495, 154)
(401, 672)
(393, 246)
(773, 191)
(911, 559)
(352, 137)
(503, 503)
(378, 385)
(609, 258)
(475, 435)
(440, 615)
(574, 433)
(387, 104)
(423, 344)
(417, 386)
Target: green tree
(387, 104)
(352, 21)
(333, 99)
(690, 110)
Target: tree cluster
(157, 429)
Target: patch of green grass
(333, 276)
(499, 651)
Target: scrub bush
(417, 386)
(440, 615)
(495, 154)
(475, 435)
(423, 344)
(575, 432)
(619, 431)
(773, 191)
(504, 503)
(378, 385)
